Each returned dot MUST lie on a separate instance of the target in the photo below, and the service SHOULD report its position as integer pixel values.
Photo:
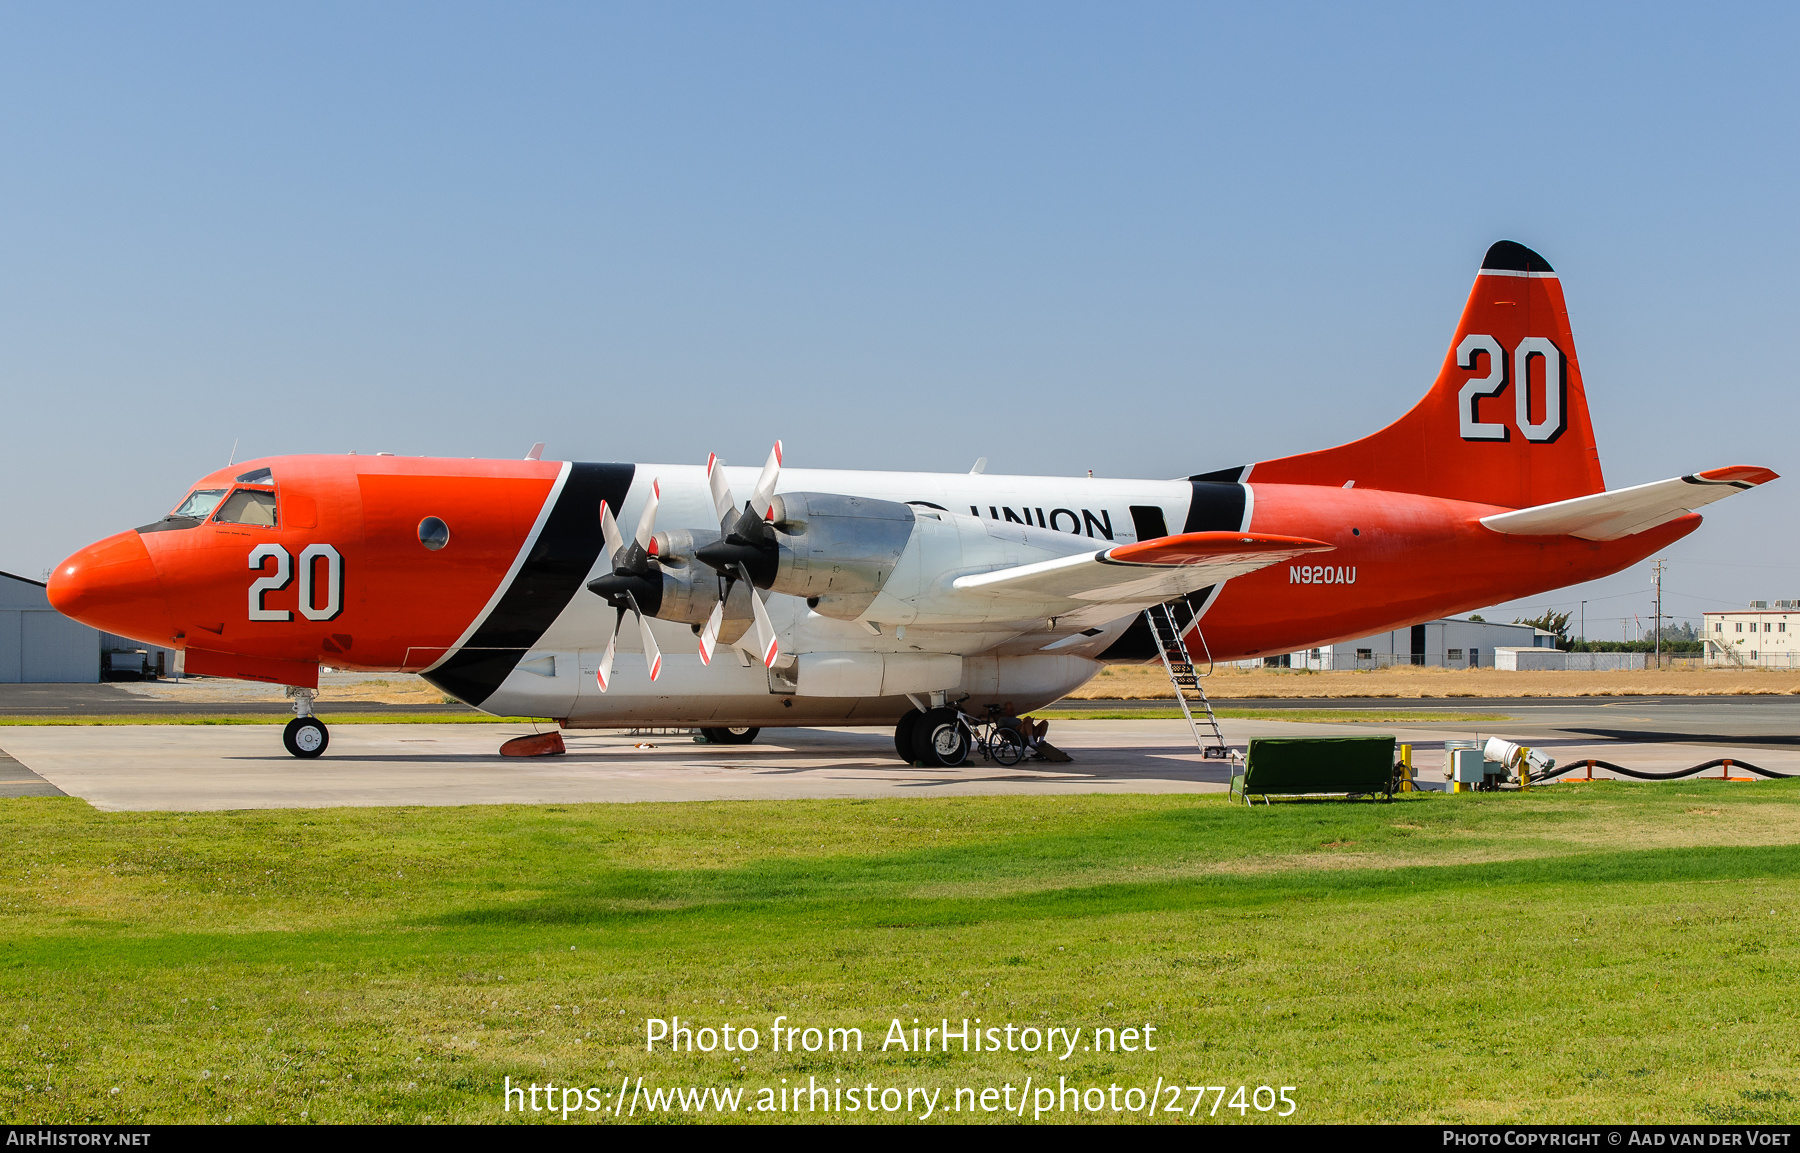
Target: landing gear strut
(305, 735)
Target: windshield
(199, 503)
(248, 506)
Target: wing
(1624, 511)
(1132, 576)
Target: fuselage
(294, 562)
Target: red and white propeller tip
(646, 528)
(764, 493)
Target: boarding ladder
(1179, 664)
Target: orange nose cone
(112, 586)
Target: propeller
(746, 547)
(634, 575)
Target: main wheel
(1007, 747)
(903, 736)
(305, 736)
(941, 739)
(736, 735)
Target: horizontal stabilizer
(1144, 573)
(1624, 511)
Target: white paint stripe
(1515, 272)
(513, 572)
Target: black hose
(1609, 766)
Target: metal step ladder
(1179, 664)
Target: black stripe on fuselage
(1216, 506)
(558, 562)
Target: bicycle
(999, 742)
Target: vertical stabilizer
(1507, 421)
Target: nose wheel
(305, 735)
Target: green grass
(274, 719)
(1580, 952)
(1315, 716)
(1329, 716)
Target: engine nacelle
(690, 589)
(837, 551)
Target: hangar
(39, 645)
(1440, 643)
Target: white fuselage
(999, 659)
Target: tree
(1551, 622)
(1477, 618)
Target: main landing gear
(305, 735)
(736, 735)
(935, 738)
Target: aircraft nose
(112, 586)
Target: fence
(1734, 657)
(1505, 660)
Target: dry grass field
(1148, 682)
(334, 687)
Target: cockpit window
(257, 476)
(248, 506)
(200, 503)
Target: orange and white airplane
(884, 598)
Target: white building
(1439, 644)
(38, 645)
(1756, 637)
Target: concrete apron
(195, 767)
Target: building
(1756, 637)
(40, 645)
(1439, 644)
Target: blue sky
(1143, 239)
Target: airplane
(846, 598)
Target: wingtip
(1746, 474)
(1196, 547)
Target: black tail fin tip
(1510, 256)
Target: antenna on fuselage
(537, 452)
(233, 460)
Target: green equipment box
(1313, 766)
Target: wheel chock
(536, 745)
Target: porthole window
(434, 534)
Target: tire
(1007, 747)
(736, 735)
(903, 736)
(941, 739)
(305, 737)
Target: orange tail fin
(1507, 421)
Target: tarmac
(223, 767)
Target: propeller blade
(647, 522)
(723, 506)
(603, 674)
(765, 628)
(609, 530)
(652, 654)
(709, 633)
(765, 484)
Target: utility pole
(1657, 569)
(1584, 624)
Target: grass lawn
(1598, 952)
(1312, 716)
(273, 719)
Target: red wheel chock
(547, 744)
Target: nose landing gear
(305, 735)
